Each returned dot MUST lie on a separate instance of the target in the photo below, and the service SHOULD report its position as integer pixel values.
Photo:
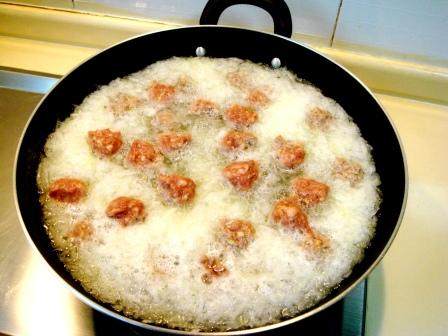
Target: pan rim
(319, 307)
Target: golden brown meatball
(104, 141)
(309, 192)
(177, 189)
(67, 190)
(214, 268)
(238, 140)
(288, 212)
(160, 92)
(258, 98)
(237, 232)
(204, 107)
(242, 174)
(123, 102)
(347, 170)
(171, 141)
(241, 116)
(142, 153)
(126, 210)
(288, 153)
(82, 230)
(318, 118)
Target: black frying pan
(137, 53)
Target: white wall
(416, 28)
(409, 29)
(314, 18)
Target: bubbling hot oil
(151, 270)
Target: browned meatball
(242, 174)
(214, 268)
(104, 141)
(288, 153)
(318, 118)
(237, 232)
(82, 230)
(347, 170)
(164, 120)
(170, 141)
(241, 116)
(204, 107)
(309, 192)
(126, 210)
(258, 98)
(160, 92)
(123, 102)
(288, 212)
(142, 153)
(177, 189)
(238, 140)
(67, 190)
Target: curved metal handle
(278, 9)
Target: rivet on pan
(276, 63)
(200, 51)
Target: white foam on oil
(151, 270)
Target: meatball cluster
(170, 138)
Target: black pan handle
(278, 9)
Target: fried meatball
(67, 190)
(242, 174)
(347, 170)
(289, 154)
(241, 116)
(319, 118)
(82, 230)
(160, 92)
(258, 98)
(289, 213)
(238, 140)
(214, 268)
(105, 142)
(123, 102)
(204, 107)
(171, 141)
(126, 210)
(309, 192)
(142, 153)
(177, 189)
(237, 232)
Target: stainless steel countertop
(33, 301)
